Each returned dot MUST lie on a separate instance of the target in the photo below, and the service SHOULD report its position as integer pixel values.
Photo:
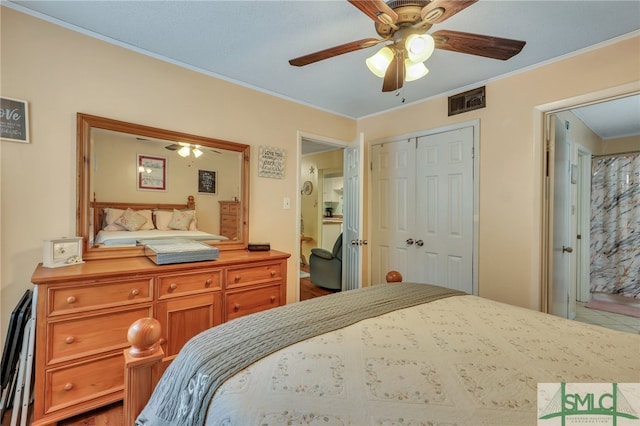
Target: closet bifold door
(422, 209)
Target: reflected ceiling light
(184, 151)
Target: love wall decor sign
(14, 120)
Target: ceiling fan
(185, 149)
(404, 24)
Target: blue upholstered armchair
(325, 267)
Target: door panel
(447, 200)
(559, 163)
(352, 225)
(393, 184)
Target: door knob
(410, 241)
(567, 249)
(419, 243)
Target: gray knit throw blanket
(208, 359)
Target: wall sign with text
(271, 162)
(14, 120)
(207, 181)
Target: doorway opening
(320, 203)
(566, 262)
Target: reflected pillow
(181, 219)
(111, 215)
(130, 220)
(163, 217)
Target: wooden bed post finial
(139, 361)
(143, 335)
(394, 277)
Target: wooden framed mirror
(123, 166)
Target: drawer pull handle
(273, 299)
(236, 307)
(237, 278)
(69, 340)
(273, 273)
(135, 292)
(173, 286)
(208, 282)
(68, 386)
(71, 299)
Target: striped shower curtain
(615, 225)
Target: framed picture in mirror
(207, 181)
(152, 173)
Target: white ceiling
(250, 42)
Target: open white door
(353, 206)
(559, 205)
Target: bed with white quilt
(390, 354)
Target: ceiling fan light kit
(417, 48)
(404, 23)
(185, 149)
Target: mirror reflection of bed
(124, 165)
(132, 224)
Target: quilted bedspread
(456, 361)
(181, 397)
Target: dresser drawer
(229, 207)
(64, 300)
(82, 382)
(253, 274)
(184, 284)
(254, 300)
(226, 220)
(92, 335)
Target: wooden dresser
(230, 219)
(84, 311)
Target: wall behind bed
(61, 72)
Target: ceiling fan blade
(377, 10)
(440, 10)
(394, 77)
(477, 44)
(334, 51)
(173, 147)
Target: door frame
(475, 124)
(543, 233)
